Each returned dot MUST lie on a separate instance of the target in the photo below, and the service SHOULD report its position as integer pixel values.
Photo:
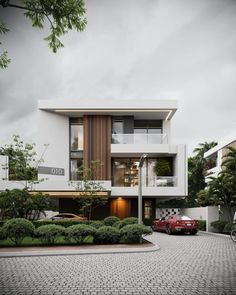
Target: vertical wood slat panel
(97, 143)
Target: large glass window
(76, 146)
(76, 137)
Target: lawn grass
(29, 242)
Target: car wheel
(168, 230)
(153, 228)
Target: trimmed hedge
(132, 233)
(16, 229)
(61, 222)
(107, 235)
(128, 220)
(97, 223)
(202, 225)
(117, 224)
(79, 232)
(49, 233)
(110, 220)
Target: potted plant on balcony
(162, 168)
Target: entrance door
(120, 207)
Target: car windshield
(182, 217)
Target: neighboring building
(215, 156)
(117, 133)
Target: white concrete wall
(3, 167)
(210, 214)
(53, 129)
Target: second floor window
(76, 135)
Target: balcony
(139, 139)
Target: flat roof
(156, 109)
(221, 144)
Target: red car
(176, 224)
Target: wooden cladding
(97, 143)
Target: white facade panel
(53, 130)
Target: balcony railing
(139, 138)
(162, 181)
(165, 181)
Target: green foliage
(21, 157)
(4, 60)
(2, 235)
(133, 233)
(62, 16)
(228, 227)
(202, 225)
(16, 229)
(117, 224)
(19, 203)
(110, 220)
(219, 225)
(197, 166)
(205, 198)
(97, 223)
(49, 233)
(89, 188)
(79, 232)
(107, 235)
(128, 220)
(162, 167)
(65, 223)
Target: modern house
(215, 156)
(117, 133)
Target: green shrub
(2, 236)
(132, 233)
(202, 225)
(110, 220)
(228, 227)
(62, 222)
(17, 229)
(49, 233)
(79, 232)
(97, 223)
(219, 225)
(128, 220)
(107, 235)
(117, 224)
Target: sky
(182, 50)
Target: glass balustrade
(121, 138)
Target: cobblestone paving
(201, 264)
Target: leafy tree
(22, 163)
(62, 16)
(221, 190)
(197, 166)
(89, 188)
(19, 203)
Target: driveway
(201, 264)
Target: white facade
(218, 153)
(53, 145)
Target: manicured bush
(228, 227)
(79, 232)
(132, 233)
(107, 235)
(117, 224)
(2, 236)
(97, 223)
(110, 220)
(128, 220)
(202, 225)
(49, 233)
(219, 225)
(17, 229)
(62, 222)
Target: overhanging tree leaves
(62, 16)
